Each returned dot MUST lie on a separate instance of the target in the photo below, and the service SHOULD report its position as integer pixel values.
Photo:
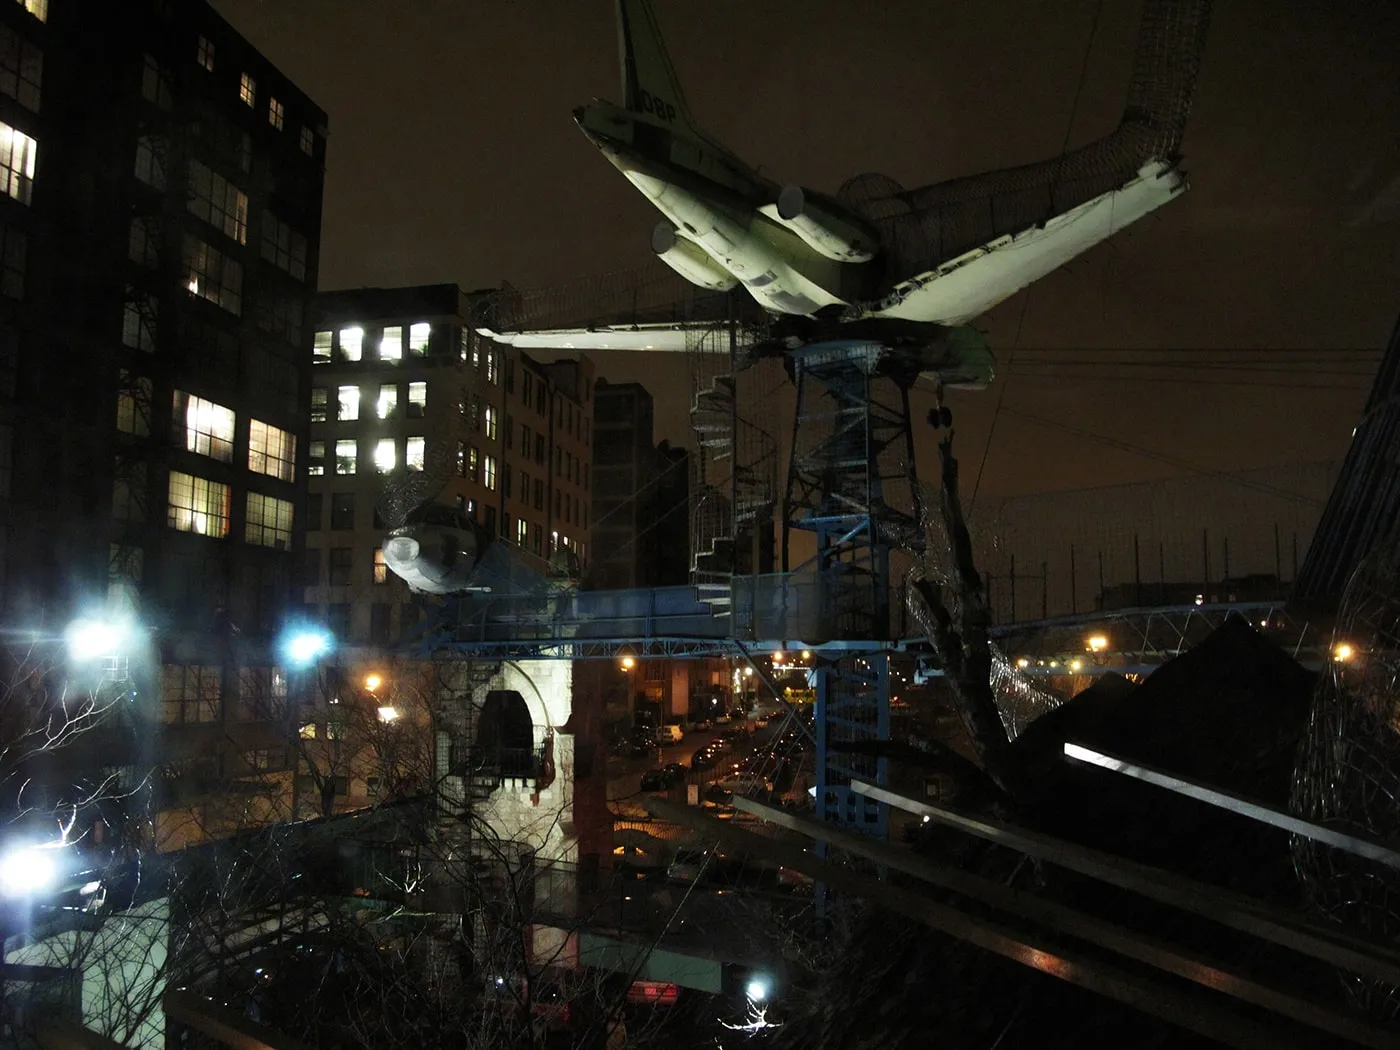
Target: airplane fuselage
(716, 203)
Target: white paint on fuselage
(745, 249)
(967, 287)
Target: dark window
(539, 448)
(341, 560)
(539, 494)
(342, 510)
(506, 479)
(490, 521)
(311, 567)
(338, 613)
(379, 623)
(313, 510)
(408, 618)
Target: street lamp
(1097, 643)
(388, 713)
(91, 639)
(373, 682)
(304, 646)
(628, 663)
(758, 989)
(29, 870)
(1343, 653)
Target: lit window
(308, 141)
(271, 451)
(150, 161)
(247, 90)
(319, 404)
(275, 113)
(308, 731)
(198, 505)
(489, 480)
(473, 464)
(385, 455)
(21, 69)
(218, 202)
(348, 403)
(133, 404)
(38, 8)
(388, 402)
(283, 246)
(391, 345)
(418, 335)
(352, 342)
(269, 522)
(417, 400)
(414, 453)
(316, 459)
(346, 452)
(212, 275)
(17, 156)
(493, 360)
(205, 53)
(522, 531)
(191, 694)
(490, 424)
(203, 427)
(381, 567)
(321, 349)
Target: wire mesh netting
(1222, 537)
(922, 228)
(1348, 772)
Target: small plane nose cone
(401, 550)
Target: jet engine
(838, 237)
(690, 260)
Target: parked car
(663, 779)
(669, 734)
(704, 758)
(740, 783)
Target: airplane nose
(401, 550)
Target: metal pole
(1100, 601)
(1073, 595)
(1137, 572)
(1013, 588)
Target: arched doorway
(505, 735)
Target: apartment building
(160, 211)
(401, 380)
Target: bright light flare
(303, 648)
(1343, 653)
(373, 682)
(777, 657)
(1076, 664)
(1023, 663)
(28, 870)
(748, 671)
(388, 714)
(757, 989)
(1097, 643)
(90, 639)
(806, 654)
(628, 663)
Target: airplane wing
(673, 337)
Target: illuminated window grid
(269, 522)
(197, 505)
(271, 450)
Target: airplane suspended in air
(888, 265)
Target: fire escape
(736, 479)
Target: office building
(160, 212)
(401, 380)
(640, 495)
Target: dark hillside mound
(1229, 712)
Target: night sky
(453, 157)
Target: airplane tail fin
(649, 83)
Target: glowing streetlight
(628, 663)
(806, 654)
(1076, 664)
(303, 647)
(1097, 643)
(1343, 652)
(778, 657)
(90, 639)
(373, 682)
(29, 870)
(388, 714)
(1023, 663)
(757, 989)
(748, 671)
